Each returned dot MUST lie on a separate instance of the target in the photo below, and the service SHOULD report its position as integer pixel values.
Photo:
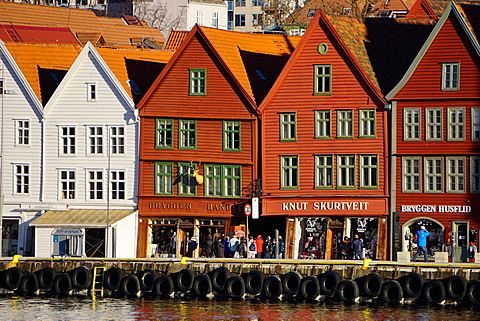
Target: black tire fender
(202, 285)
(291, 282)
(254, 281)
(434, 292)
(235, 287)
(455, 287)
(147, 279)
(12, 278)
(309, 288)
(328, 283)
(45, 277)
(28, 284)
(183, 280)
(164, 286)
(130, 285)
(473, 292)
(348, 291)
(112, 279)
(392, 292)
(272, 287)
(81, 278)
(412, 285)
(370, 285)
(62, 284)
(219, 278)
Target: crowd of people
(238, 246)
(356, 249)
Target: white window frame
(117, 140)
(346, 172)
(456, 124)
(22, 131)
(324, 171)
(117, 184)
(451, 76)
(433, 174)
(369, 171)
(95, 140)
(65, 184)
(475, 174)
(345, 124)
(323, 124)
(200, 17)
(92, 91)
(95, 184)
(455, 174)
(475, 120)
(434, 124)
(411, 124)
(67, 140)
(411, 174)
(368, 121)
(22, 179)
(215, 19)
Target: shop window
(313, 240)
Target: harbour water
(86, 308)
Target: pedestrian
(421, 236)
(472, 249)
(357, 247)
(281, 244)
(220, 247)
(226, 247)
(242, 249)
(346, 247)
(267, 247)
(233, 245)
(252, 248)
(273, 248)
(259, 244)
(209, 246)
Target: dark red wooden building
(199, 138)
(436, 139)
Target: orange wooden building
(199, 138)
(325, 145)
(436, 139)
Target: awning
(81, 218)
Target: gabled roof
(30, 34)
(391, 5)
(450, 10)
(232, 49)
(141, 66)
(471, 14)
(114, 30)
(33, 58)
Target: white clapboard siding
(43, 241)
(125, 237)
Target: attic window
(259, 73)
(91, 91)
(311, 12)
(55, 78)
(346, 11)
(135, 89)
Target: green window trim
(288, 127)
(433, 124)
(456, 180)
(369, 172)
(345, 124)
(451, 76)
(346, 172)
(368, 123)
(322, 80)
(232, 135)
(187, 134)
(163, 178)
(164, 133)
(323, 171)
(323, 124)
(289, 172)
(411, 175)
(187, 184)
(198, 82)
(222, 180)
(411, 124)
(456, 124)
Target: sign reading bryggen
(435, 209)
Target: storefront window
(313, 240)
(367, 230)
(9, 237)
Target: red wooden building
(199, 138)
(436, 139)
(325, 144)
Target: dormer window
(450, 76)
(91, 91)
(135, 89)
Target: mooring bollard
(184, 260)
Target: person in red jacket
(259, 244)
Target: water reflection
(84, 308)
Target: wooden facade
(436, 142)
(324, 153)
(183, 214)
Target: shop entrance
(209, 233)
(335, 238)
(188, 241)
(460, 241)
(435, 241)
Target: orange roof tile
(230, 44)
(175, 39)
(114, 30)
(31, 57)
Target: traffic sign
(248, 209)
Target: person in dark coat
(242, 248)
(209, 246)
(220, 246)
(357, 247)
